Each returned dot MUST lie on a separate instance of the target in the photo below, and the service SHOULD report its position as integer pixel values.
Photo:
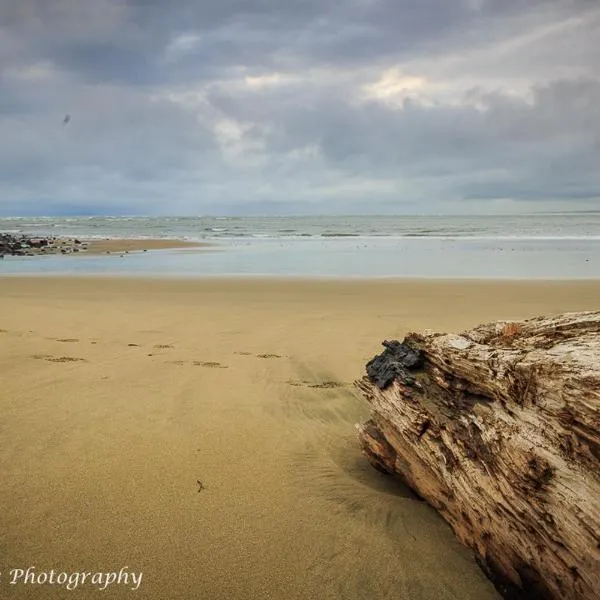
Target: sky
(198, 107)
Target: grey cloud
(539, 145)
(504, 104)
(114, 130)
(112, 40)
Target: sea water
(543, 246)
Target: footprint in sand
(259, 355)
(323, 385)
(57, 359)
(3, 330)
(197, 363)
(63, 359)
(209, 364)
(327, 385)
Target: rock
(498, 428)
(24, 245)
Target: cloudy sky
(298, 106)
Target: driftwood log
(498, 428)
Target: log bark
(498, 428)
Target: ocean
(542, 246)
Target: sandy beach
(201, 432)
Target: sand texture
(119, 396)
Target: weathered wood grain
(499, 429)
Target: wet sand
(119, 396)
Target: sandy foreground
(119, 395)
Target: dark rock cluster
(27, 245)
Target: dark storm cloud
(115, 40)
(297, 106)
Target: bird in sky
(67, 119)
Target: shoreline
(309, 260)
(299, 279)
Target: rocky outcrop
(26, 245)
(498, 428)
